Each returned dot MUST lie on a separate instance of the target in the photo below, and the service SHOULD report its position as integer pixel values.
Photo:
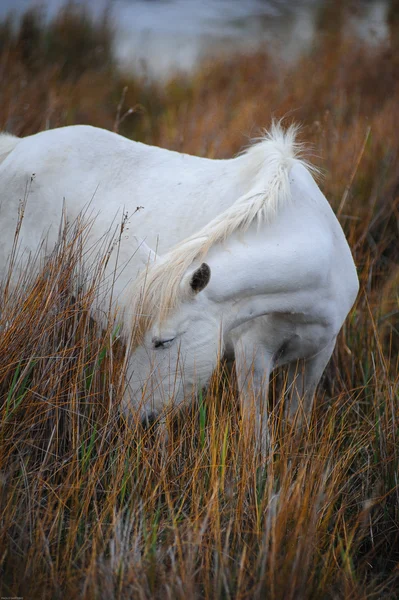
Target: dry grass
(91, 507)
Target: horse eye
(158, 343)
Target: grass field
(92, 508)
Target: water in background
(161, 37)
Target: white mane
(265, 169)
(7, 144)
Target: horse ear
(200, 278)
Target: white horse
(277, 283)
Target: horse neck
(210, 191)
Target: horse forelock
(265, 170)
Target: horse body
(278, 281)
(83, 165)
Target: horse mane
(265, 166)
(7, 144)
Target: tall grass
(94, 507)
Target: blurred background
(165, 51)
(161, 37)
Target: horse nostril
(149, 419)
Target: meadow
(91, 506)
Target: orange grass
(91, 507)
